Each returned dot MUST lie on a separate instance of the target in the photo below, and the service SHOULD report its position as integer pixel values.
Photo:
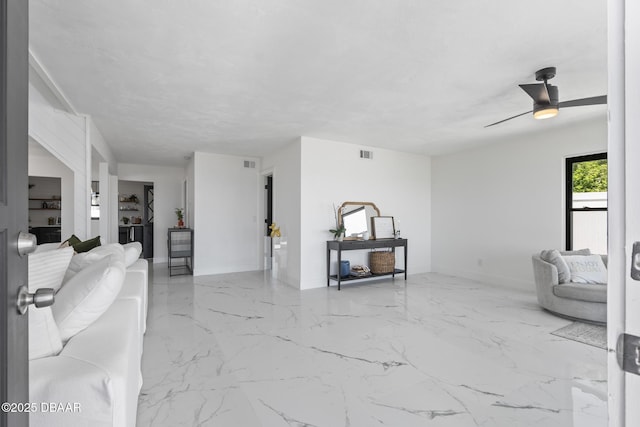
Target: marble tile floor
(244, 350)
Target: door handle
(43, 297)
(27, 243)
(635, 261)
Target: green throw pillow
(87, 245)
(73, 240)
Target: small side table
(180, 245)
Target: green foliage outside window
(589, 177)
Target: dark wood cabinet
(46, 234)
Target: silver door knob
(43, 297)
(635, 261)
(26, 243)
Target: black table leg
(339, 259)
(328, 265)
(405, 261)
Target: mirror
(356, 218)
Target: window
(586, 203)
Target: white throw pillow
(46, 270)
(553, 256)
(45, 247)
(586, 268)
(132, 252)
(84, 259)
(87, 295)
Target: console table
(180, 245)
(352, 245)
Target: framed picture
(383, 227)
(59, 220)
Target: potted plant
(338, 231)
(180, 215)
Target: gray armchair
(575, 301)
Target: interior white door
(632, 195)
(624, 191)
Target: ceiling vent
(366, 154)
(250, 164)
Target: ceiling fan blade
(513, 117)
(594, 100)
(537, 91)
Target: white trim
(41, 71)
(616, 209)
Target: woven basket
(382, 262)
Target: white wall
(285, 166)
(69, 138)
(167, 187)
(332, 173)
(100, 145)
(63, 135)
(495, 206)
(226, 214)
(190, 177)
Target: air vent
(366, 154)
(249, 164)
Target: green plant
(339, 229)
(179, 214)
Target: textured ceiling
(164, 78)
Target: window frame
(569, 209)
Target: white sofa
(99, 368)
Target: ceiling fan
(545, 98)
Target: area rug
(586, 333)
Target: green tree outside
(590, 177)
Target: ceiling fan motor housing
(553, 99)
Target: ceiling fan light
(545, 112)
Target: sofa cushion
(73, 240)
(46, 270)
(582, 292)
(553, 256)
(87, 245)
(99, 369)
(586, 268)
(45, 247)
(132, 252)
(585, 251)
(83, 260)
(87, 295)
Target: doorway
(45, 208)
(135, 214)
(268, 220)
